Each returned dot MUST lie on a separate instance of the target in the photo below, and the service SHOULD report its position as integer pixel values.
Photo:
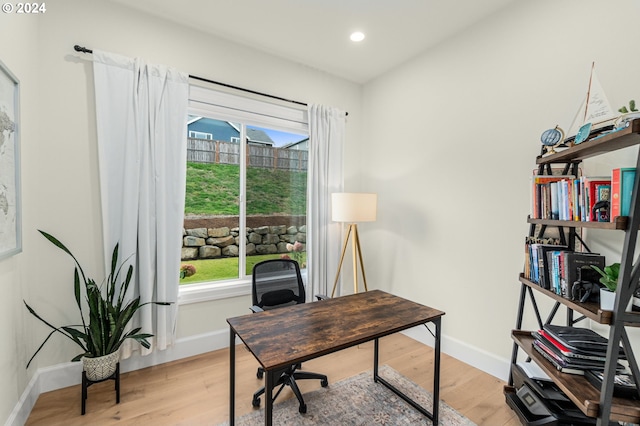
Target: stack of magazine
(573, 350)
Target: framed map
(10, 219)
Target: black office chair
(278, 283)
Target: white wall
(18, 44)
(60, 177)
(450, 143)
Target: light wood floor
(195, 391)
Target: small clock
(552, 138)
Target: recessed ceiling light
(357, 36)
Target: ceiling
(316, 32)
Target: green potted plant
(609, 278)
(103, 331)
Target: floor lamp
(351, 208)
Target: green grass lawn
(213, 189)
(224, 268)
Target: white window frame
(197, 135)
(205, 101)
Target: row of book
(557, 269)
(567, 197)
(573, 350)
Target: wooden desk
(282, 337)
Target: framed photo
(10, 214)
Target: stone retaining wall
(212, 243)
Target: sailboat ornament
(595, 115)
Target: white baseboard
(70, 373)
(478, 358)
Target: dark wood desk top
(285, 336)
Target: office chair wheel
(303, 409)
(324, 383)
(256, 402)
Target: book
(555, 204)
(622, 181)
(531, 259)
(626, 190)
(555, 266)
(544, 266)
(547, 338)
(570, 365)
(593, 195)
(567, 361)
(542, 199)
(580, 340)
(577, 265)
(603, 193)
(549, 356)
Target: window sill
(209, 291)
(196, 293)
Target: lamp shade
(352, 207)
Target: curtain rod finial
(79, 48)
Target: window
(244, 202)
(200, 135)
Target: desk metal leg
(232, 376)
(376, 346)
(436, 373)
(268, 396)
(436, 378)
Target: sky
(281, 138)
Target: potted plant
(103, 332)
(609, 278)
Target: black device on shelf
(541, 402)
(624, 385)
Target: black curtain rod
(82, 49)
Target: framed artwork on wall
(10, 214)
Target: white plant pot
(608, 300)
(102, 367)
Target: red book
(622, 180)
(562, 348)
(614, 206)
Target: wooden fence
(220, 152)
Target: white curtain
(141, 125)
(325, 176)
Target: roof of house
(258, 136)
(290, 144)
(255, 136)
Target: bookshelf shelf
(589, 310)
(620, 223)
(593, 402)
(625, 138)
(577, 388)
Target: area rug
(359, 400)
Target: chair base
(288, 378)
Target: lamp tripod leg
(356, 239)
(344, 249)
(354, 257)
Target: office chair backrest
(277, 283)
